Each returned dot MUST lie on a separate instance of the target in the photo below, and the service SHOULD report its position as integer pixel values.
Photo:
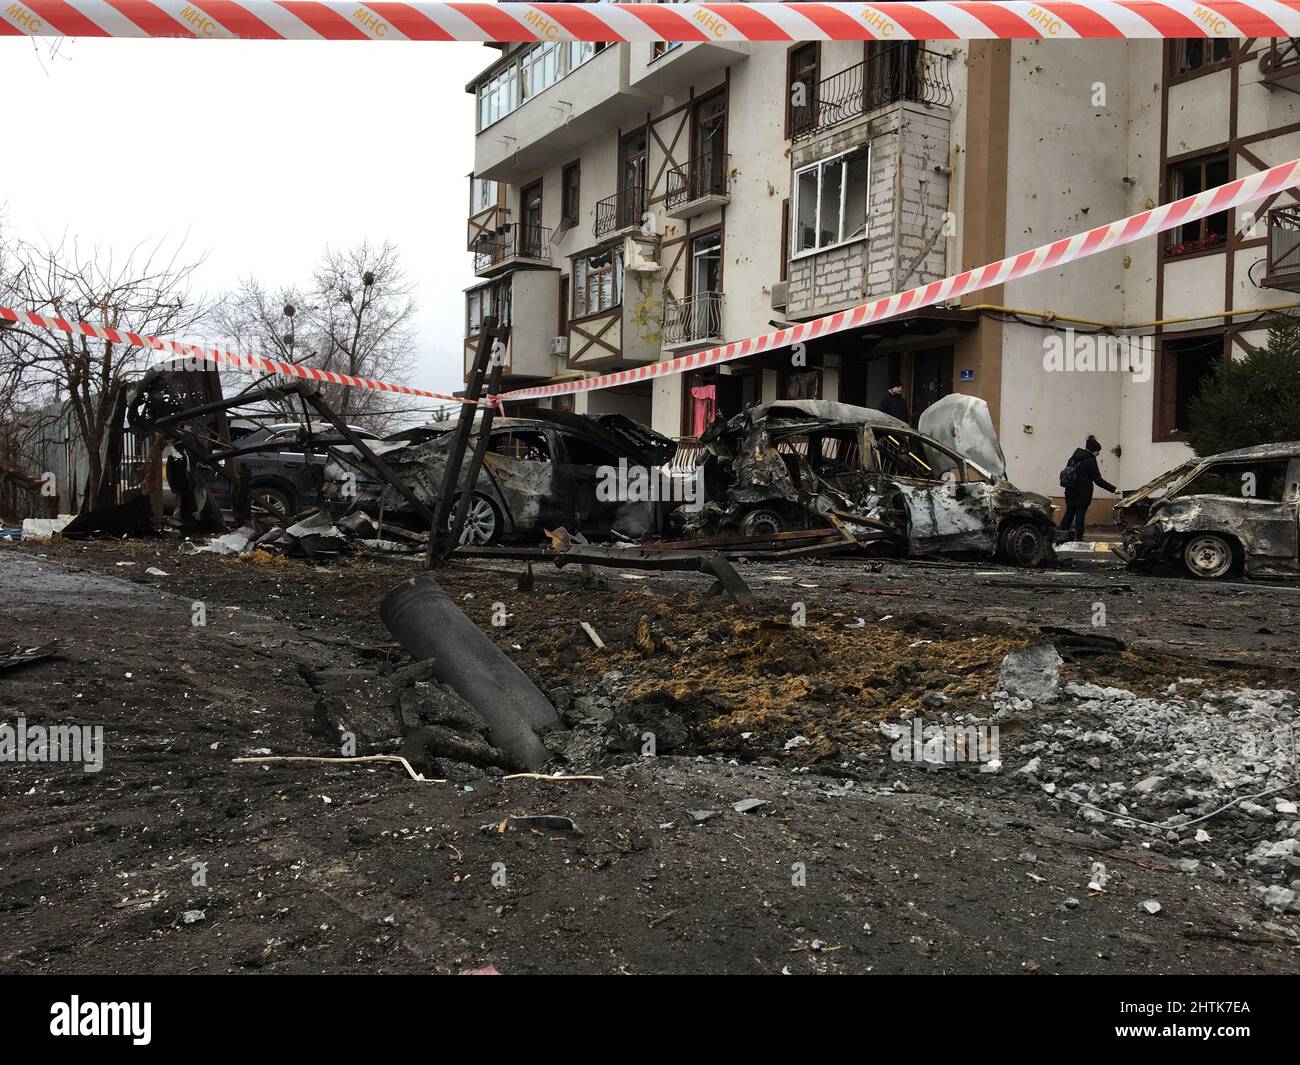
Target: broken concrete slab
(1031, 673)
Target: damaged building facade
(639, 201)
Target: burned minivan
(800, 464)
(1237, 512)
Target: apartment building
(634, 202)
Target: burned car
(799, 464)
(539, 473)
(1230, 513)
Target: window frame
(1174, 72)
(790, 78)
(574, 168)
(1173, 173)
(844, 158)
(1164, 416)
(583, 285)
(569, 56)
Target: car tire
(1024, 544)
(274, 498)
(764, 521)
(483, 524)
(1208, 556)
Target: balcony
(693, 321)
(625, 210)
(1282, 69)
(667, 68)
(1283, 249)
(524, 302)
(592, 98)
(510, 245)
(898, 72)
(701, 185)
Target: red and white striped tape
(181, 349)
(384, 20)
(1044, 257)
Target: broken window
(1185, 364)
(830, 201)
(526, 445)
(597, 282)
(836, 450)
(584, 452)
(1193, 55)
(1187, 179)
(905, 455)
(1240, 480)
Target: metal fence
(895, 73)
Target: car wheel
(762, 522)
(277, 501)
(1208, 556)
(1023, 544)
(482, 522)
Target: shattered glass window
(584, 452)
(521, 444)
(1240, 480)
(905, 455)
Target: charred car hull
(810, 463)
(545, 472)
(1236, 512)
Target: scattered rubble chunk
(1032, 673)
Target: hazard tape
(181, 349)
(382, 20)
(1036, 260)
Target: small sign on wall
(967, 375)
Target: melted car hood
(964, 424)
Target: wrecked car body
(544, 472)
(799, 464)
(1235, 512)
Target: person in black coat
(1078, 494)
(894, 404)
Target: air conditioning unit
(559, 345)
(780, 295)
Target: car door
(520, 464)
(597, 491)
(948, 509)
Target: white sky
(262, 152)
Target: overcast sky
(262, 152)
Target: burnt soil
(853, 863)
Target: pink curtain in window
(703, 400)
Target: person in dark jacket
(1078, 494)
(894, 404)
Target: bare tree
(354, 318)
(147, 291)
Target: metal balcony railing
(898, 72)
(1283, 244)
(705, 175)
(510, 241)
(624, 209)
(690, 450)
(695, 318)
(1283, 56)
